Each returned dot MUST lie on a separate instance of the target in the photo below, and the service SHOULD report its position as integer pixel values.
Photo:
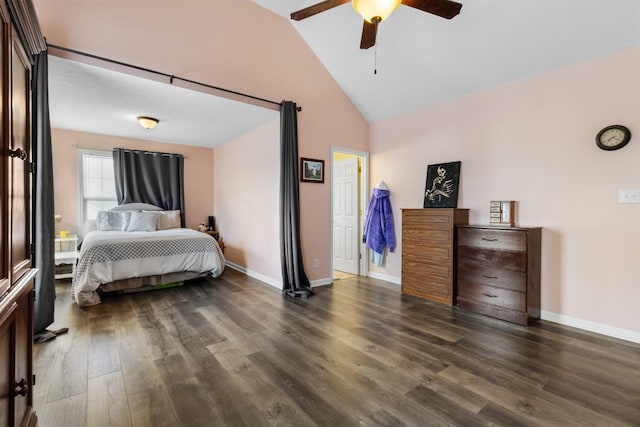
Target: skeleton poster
(441, 189)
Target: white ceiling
(421, 60)
(96, 100)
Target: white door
(345, 216)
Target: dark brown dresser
(428, 252)
(20, 40)
(498, 272)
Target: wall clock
(613, 137)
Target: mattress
(109, 256)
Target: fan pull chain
(375, 59)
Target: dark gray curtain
(43, 209)
(150, 177)
(295, 281)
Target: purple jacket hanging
(378, 226)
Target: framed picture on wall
(441, 189)
(311, 170)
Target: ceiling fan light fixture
(147, 122)
(370, 9)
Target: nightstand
(216, 236)
(66, 252)
(213, 233)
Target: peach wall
(271, 61)
(198, 173)
(247, 194)
(533, 141)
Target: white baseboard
(386, 278)
(574, 322)
(587, 325)
(268, 280)
(321, 282)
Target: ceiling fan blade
(316, 8)
(369, 31)
(443, 8)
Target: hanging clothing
(378, 227)
(377, 258)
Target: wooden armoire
(20, 39)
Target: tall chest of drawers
(498, 272)
(428, 252)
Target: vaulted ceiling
(421, 60)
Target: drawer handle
(486, 239)
(489, 277)
(489, 295)
(22, 388)
(19, 153)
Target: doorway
(349, 186)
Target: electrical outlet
(628, 196)
(316, 263)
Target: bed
(138, 247)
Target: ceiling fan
(376, 11)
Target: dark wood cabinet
(498, 272)
(20, 39)
(19, 163)
(16, 349)
(428, 252)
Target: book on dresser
(498, 272)
(428, 252)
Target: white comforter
(107, 256)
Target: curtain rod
(110, 151)
(171, 77)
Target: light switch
(628, 196)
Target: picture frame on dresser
(441, 187)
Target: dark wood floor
(232, 352)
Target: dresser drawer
(519, 317)
(483, 275)
(505, 298)
(431, 268)
(432, 288)
(493, 239)
(431, 236)
(423, 252)
(491, 259)
(429, 218)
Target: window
(97, 186)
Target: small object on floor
(48, 335)
(302, 293)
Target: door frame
(363, 191)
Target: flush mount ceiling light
(147, 122)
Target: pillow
(168, 219)
(112, 221)
(143, 221)
(135, 207)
